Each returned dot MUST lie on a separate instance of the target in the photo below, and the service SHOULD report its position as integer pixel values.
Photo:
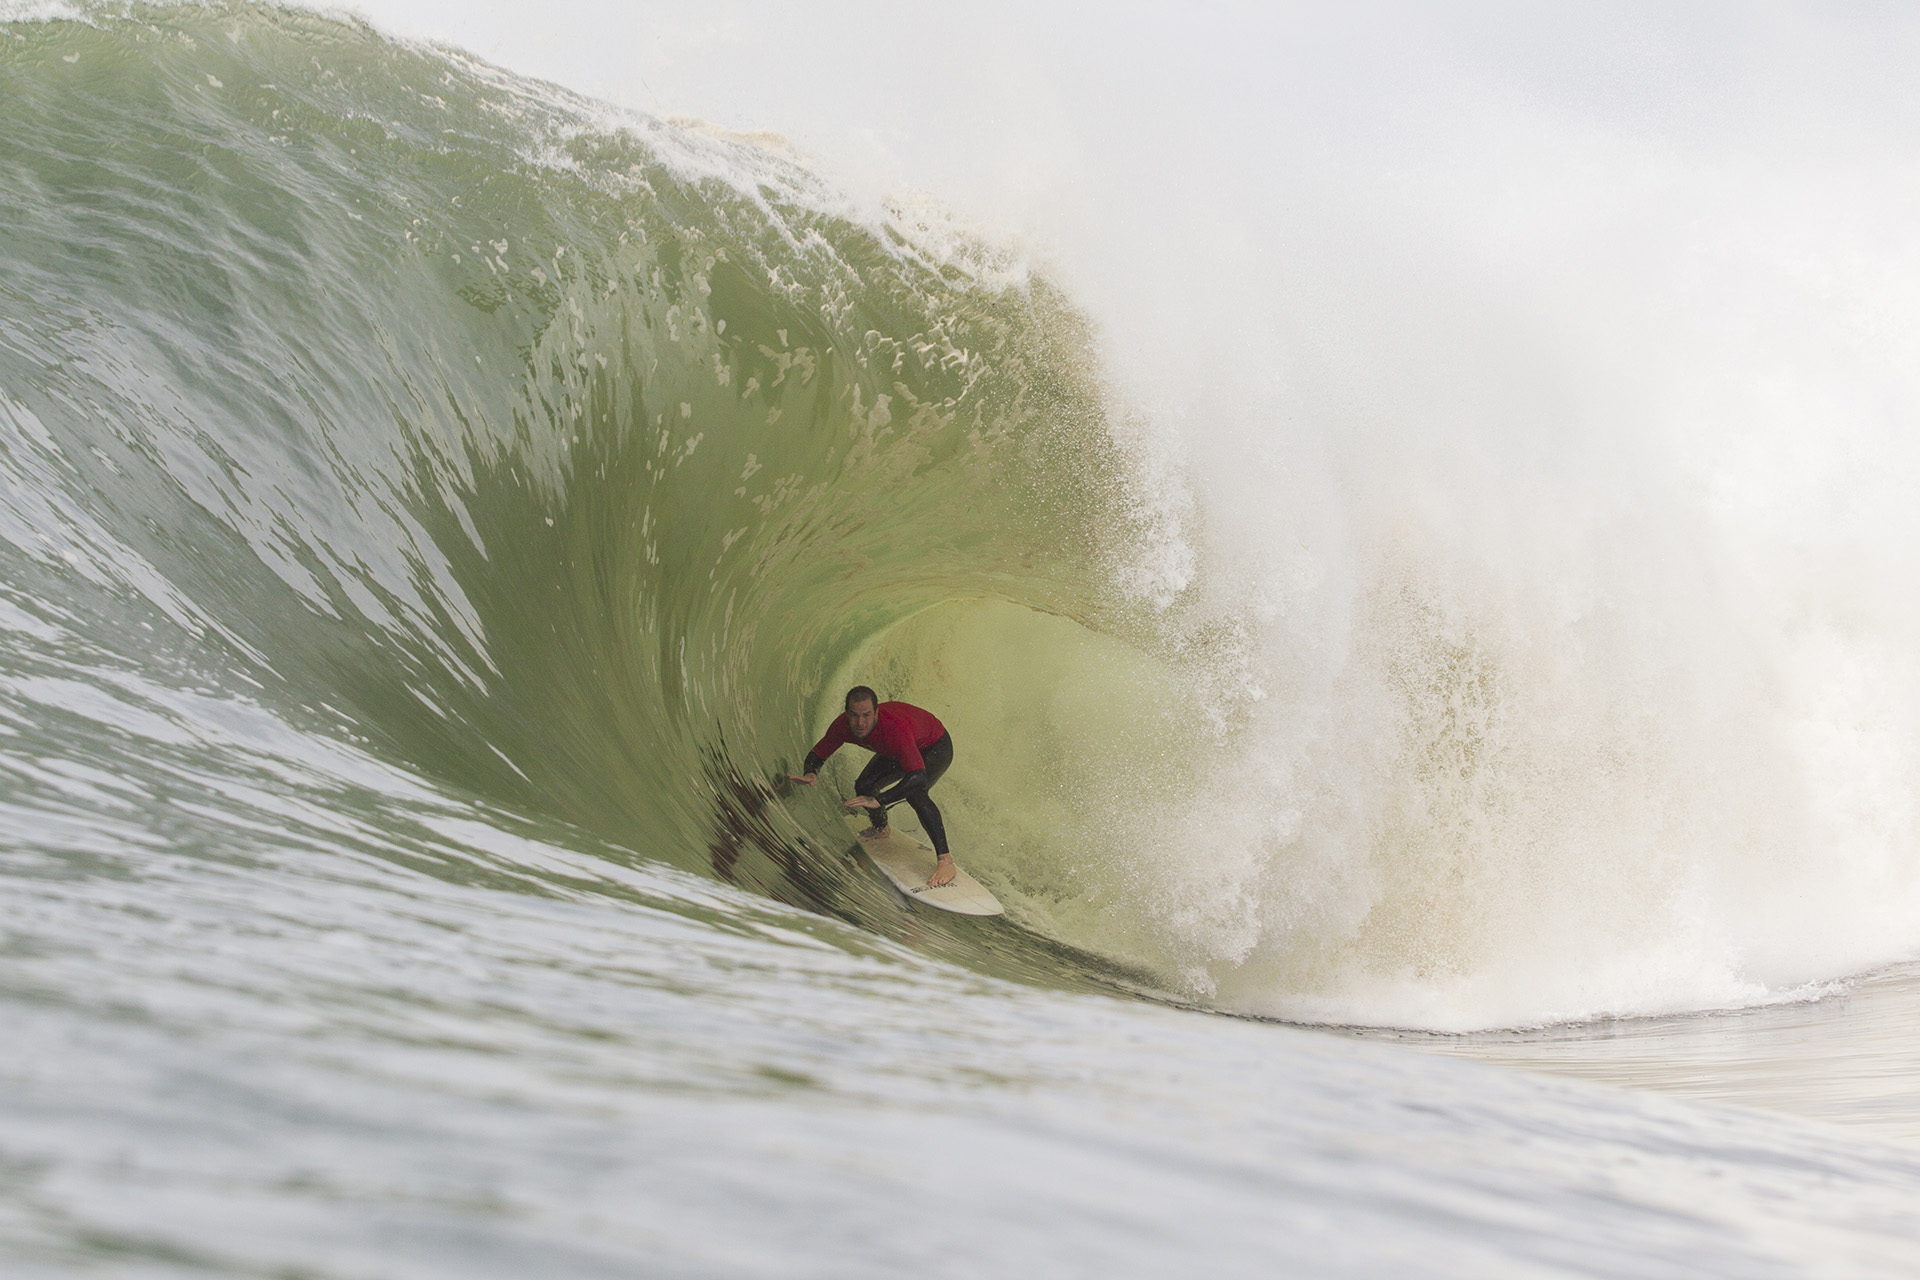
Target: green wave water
(573, 462)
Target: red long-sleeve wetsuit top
(900, 730)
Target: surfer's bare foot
(874, 833)
(943, 872)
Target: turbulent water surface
(434, 510)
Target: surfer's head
(863, 710)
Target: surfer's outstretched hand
(804, 779)
(943, 872)
(863, 802)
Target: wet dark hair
(860, 693)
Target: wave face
(369, 412)
(558, 461)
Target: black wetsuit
(887, 782)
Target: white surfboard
(907, 862)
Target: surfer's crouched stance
(910, 749)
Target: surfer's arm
(836, 735)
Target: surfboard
(908, 862)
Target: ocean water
(1449, 764)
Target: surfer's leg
(937, 758)
(929, 814)
(879, 773)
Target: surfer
(911, 750)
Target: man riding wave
(911, 750)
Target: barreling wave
(562, 459)
(575, 462)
